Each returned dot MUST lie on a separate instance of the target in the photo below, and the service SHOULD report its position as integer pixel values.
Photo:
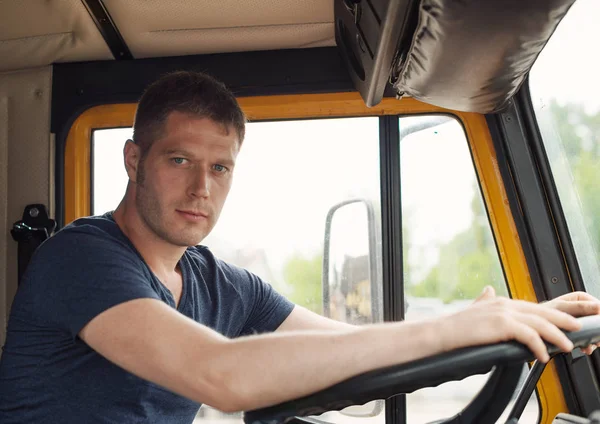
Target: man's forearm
(169, 349)
(257, 369)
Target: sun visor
(467, 55)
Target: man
(122, 318)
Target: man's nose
(200, 186)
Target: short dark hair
(188, 92)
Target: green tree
(463, 270)
(579, 134)
(470, 261)
(467, 263)
(304, 276)
(563, 120)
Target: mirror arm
(373, 263)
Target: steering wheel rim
(406, 378)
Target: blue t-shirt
(49, 375)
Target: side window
(449, 250)
(304, 193)
(304, 214)
(565, 92)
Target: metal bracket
(35, 227)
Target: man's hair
(193, 93)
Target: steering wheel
(506, 359)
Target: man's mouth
(193, 214)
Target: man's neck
(161, 256)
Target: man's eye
(219, 168)
(178, 161)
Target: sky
(569, 67)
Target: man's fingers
(576, 296)
(487, 293)
(525, 334)
(589, 349)
(548, 331)
(559, 318)
(578, 308)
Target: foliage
(469, 261)
(304, 275)
(579, 133)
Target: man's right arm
(155, 342)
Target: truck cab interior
(457, 145)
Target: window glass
(305, 198)
(565, 91)
(449, 250)
(289, 178)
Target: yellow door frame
(77, 179)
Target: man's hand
(492, 319)
(578, 304)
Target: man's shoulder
(85, 235)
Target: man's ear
(131, 155)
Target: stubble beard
(153, 215)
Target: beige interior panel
(203, 41)
(25, 136)
(154, 15)
(35, 33)
(155, 28)
(4, 224)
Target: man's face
(183, 181)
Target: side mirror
(352, 287)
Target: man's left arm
(577, 304)
(302, 319)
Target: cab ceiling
(40, 32)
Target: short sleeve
(78, 274)
(265, 308)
